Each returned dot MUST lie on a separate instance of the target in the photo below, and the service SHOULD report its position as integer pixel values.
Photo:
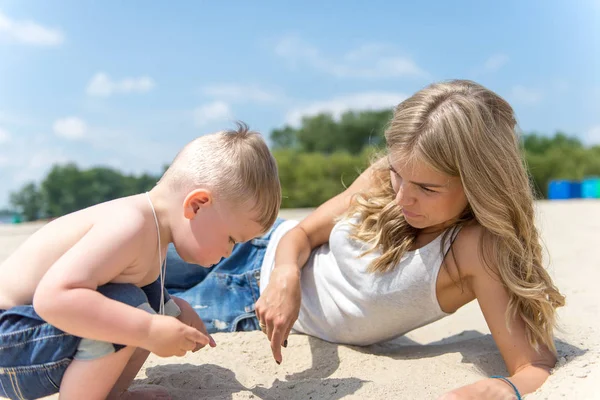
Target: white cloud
(592, 136)
(240, 93)
(524, 95)
(367, 61)
(495, 62)
(4, 136)
(337, 106)
(212, 112)
(103, 86)
(72, 128)
(28, 32)
(44, 158)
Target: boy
(82, 301)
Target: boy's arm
(66, 296)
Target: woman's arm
(295, 247)
(279, 305)
(527, 367)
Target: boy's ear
(195, 200)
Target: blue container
(575, 190)
(590, 188)
(559, 190)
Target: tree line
(317, 160)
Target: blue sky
(126, 84)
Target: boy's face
(214, 228)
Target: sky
(127, 84)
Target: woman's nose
(404, 197)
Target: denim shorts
(223, 295)
(34, 355)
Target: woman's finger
(276, 341)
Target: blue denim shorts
(34, 355)
(223, 295)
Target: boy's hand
(189, 317)
(168, 337)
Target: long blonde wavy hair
(464, 130)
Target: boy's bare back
(78, 244)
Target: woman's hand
(189, 317)
(278, 307)
(492, 389)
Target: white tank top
(343, 303)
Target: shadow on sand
(186, 381)
(209, 381)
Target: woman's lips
(409, 214)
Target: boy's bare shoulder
(122, 221)
(129, 213)
(125, 214)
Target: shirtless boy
(82, 301)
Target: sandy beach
(421, 365)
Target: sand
(424, 364)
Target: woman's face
(429, 199)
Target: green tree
(536, 143)
(323, 134)
(28, 202)
(284, 138)
(558, 157)
(309, 179)
(61, 188)
(66, 188)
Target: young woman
(444, 218)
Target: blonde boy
(96, 274)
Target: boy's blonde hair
(237, 165)
(462, 129)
